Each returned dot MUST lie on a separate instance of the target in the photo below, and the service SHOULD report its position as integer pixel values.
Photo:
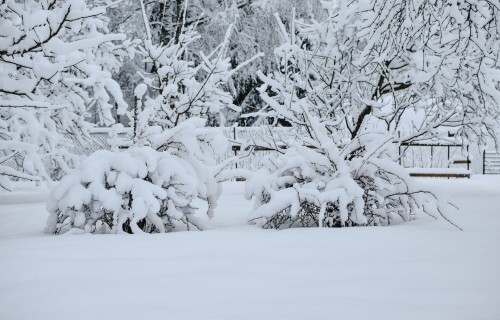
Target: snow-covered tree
(56, 61)
(375, 62)
(182, 88)
(254, 31)
(347, 82)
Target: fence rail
(438, 155)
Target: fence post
(399, 151)
(399, 148)
(432, 156)
(468, 162)
(484, 161)
(449, 156)
(235, 151)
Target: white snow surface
(423, 269)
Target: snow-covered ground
(424, 269)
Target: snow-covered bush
(150, 189)
(316, 185)
(303, 188)
(56, 61)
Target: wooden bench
(439, 173)
(465, 161)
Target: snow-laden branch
(55, 61)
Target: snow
(422, 269)
(140, 90)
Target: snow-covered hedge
(143, 189)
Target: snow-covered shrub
(142, 189)
(316, 185)
(302, 188)
(56, 61)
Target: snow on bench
(439, 172)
